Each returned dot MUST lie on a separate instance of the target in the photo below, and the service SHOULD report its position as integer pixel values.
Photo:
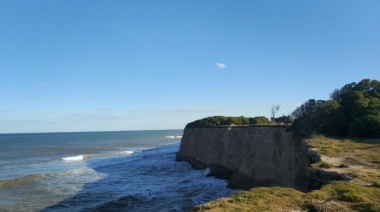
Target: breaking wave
(173, 136)
(84, 157)
(74, 158)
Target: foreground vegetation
(359, 159)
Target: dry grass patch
(367, 151)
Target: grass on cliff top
(360, 158)
(336, 196)
(360, 150)
(258, 199)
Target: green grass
(258, 199)
(358, 149)
(337, 196)
(347, 194)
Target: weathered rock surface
(248, 156)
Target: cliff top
(223, 121)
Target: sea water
(101, 171)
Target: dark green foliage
(259, 120)
(216, 121)
(284, 120)
(354, 110)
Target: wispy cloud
(92, 116)
(187, 111)
(175, 111)
(221, 65)
(41, 85)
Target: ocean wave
(84, 157)
(128, 152)
(75, 158)
(173, 136)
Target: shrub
(325, 165)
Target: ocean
(101, 171)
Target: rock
(319, 178)
(313, 157)
(249, 156)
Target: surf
(74, 158)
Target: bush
(325, 165)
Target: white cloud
(41, 84)
(221, 65)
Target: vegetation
(358, 150)
(283, 119)
(324, 165)
(273, 111)
(216, 121)
(337, 196)
(258, 199)
(353, 110)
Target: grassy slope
(359, 159)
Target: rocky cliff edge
(248, 156)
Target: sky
(90, 65)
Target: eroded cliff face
(248, 156)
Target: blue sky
(86, 65)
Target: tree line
(353, 110)
(216, 121)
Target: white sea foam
(84, 157)
(74, 158)
(128, 152)
(173, 136)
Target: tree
(274, 110)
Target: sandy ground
(351, 167)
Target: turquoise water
(97, 171)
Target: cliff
(248, 156)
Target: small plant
(376, 184)
(325, 165)
(343, 166)
(200, 208)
